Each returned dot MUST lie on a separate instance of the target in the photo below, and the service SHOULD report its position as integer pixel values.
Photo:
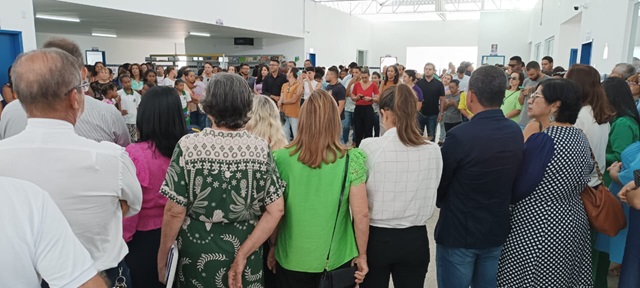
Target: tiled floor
(431, 282)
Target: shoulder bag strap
(344, 182)
(593, 157)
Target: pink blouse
(151, 168)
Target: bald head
(68, 46)
(623, 70)
(40, 91)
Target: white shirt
(185, 98)
(38, 241)
(159, 79)
(464, 83)
(167, 82)
(598, 136)
(403, 181)
(99, 122)
(130, 103)
(307, 90)
(86, 179)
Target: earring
(552, 118)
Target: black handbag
(343, 277)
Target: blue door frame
(10, 48)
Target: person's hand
(279, 105)
(162, 271)
(614, 169)
(440, 117)
(363, 268)
(626, 189)
(271, 260)
(124, 112)
(235, 272)
(368, 99)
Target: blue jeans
(346, 126)
(431, 122)
(461, 268)
(290, 125)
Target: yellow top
(463, 104)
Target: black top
(431, 91)
(273, 85)
(481, 160)
(339, 93)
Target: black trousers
(143, 248)
(403, 253)
(449, 126)
(362, 123)
(294, 279)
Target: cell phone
(636, 177)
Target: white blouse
(598, 136)
(403, 181)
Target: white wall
(336, 36)
(289, 47)
(509, 29)
(272, 16)
(393, 38)
(119, 50)
(18, 16)
(604, 22)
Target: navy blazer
(481, 159)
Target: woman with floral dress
(225, 195)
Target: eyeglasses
(80, 87)
(513, 78)
(535, 95)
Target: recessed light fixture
(59, 18)
(104, 35)
(200, 34)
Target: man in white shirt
(208, 72)
(463, 78)
(40, 242)
(99, 122)
(94, 184)
(129, 99)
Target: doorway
(585, 53)
(573, 57)
(312, 57)
(361, 58)
(10, 48)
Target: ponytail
(404, 110)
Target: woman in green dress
(314, 166)
(225, 195)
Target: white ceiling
(127, 24)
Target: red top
(369, 92)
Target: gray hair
(625, 70)
(228, 100)
(39, 89)
(487, 83)
(68, 46)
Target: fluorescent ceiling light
(200, 34)
(103, 35)
(59, 18)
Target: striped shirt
(99, 122)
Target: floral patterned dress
(225, 180)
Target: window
(548, 47)
(537, 51)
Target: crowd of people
(276, 177)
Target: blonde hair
(265, 122)
(319, 130)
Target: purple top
(418, 93)
(151, 168)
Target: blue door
(573, 57)
(312, 57)
(10, 48)
(585, 53)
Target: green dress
(624, 132)
(225, 180)
(311, 204)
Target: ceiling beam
(354, 7)
(442, 16)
